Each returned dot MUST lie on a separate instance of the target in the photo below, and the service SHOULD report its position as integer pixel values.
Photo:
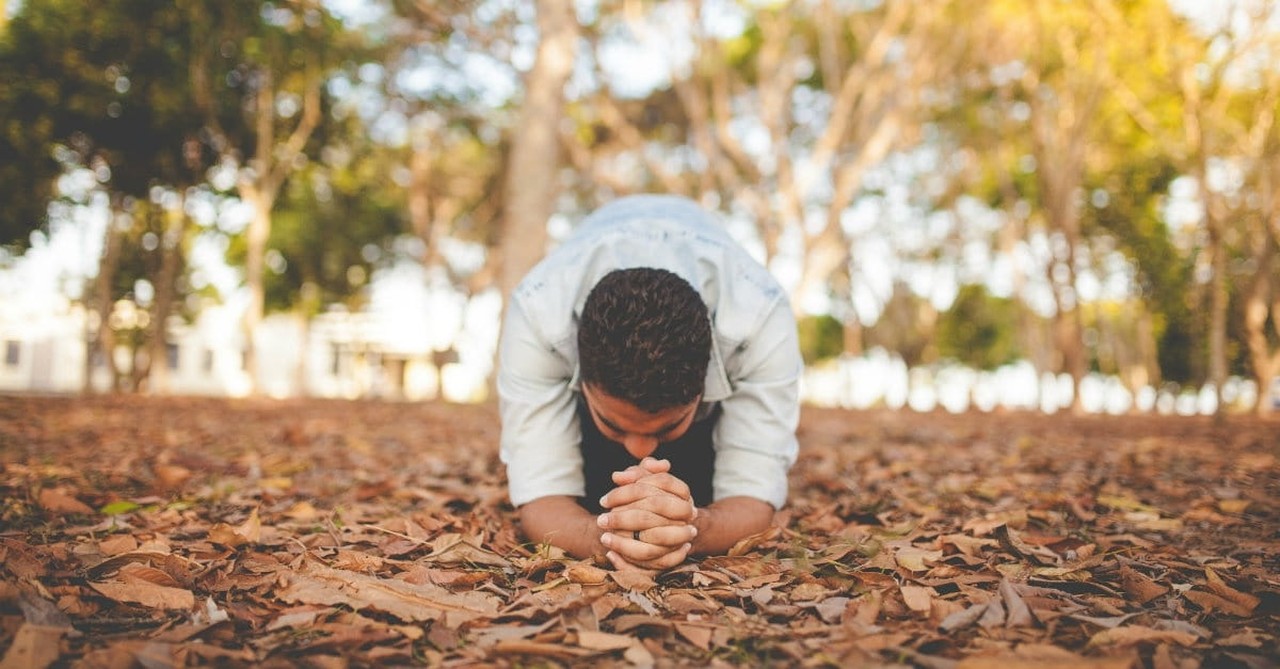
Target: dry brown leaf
(317, 584)
(741, 566)
(248, 532)
(685, 603)
(918, 598)
(357, 561)
(302, 616)
(1236, 506)
(697, 635)
(1012, 539)
(117, 544)
(251, 528)
(458, 549)
(1134, 634)
(993, 616)
(987, 524)
(639, 656)
(491, 635)
(1140, 588)
(62, 500)
(750, 543)
(171, 477)
(175, 566)
(642, 601)
(964, 618)
(869, 607)
(34, 647)
(1017, 613)
(1111, 622)
(814, 593)
(603, 641)
(1015, 661)
(1211, 602)
(807, 592)
(633, 580)
(147, 594)
(539, 649)
(586, 574)
(762, 596)
(915, 559)
(136, 572)
(832, 609)
(302, 511)
(971, 546)
(1247, 638)
(1244, 602)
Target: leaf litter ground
(160, 532)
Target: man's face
(640, 432)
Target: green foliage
(332, 229)
(979, 330)
(906, 326)
(821, 338)
(1130, 212)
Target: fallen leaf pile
(159, 532)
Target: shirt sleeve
(540, 432)
(755, 437)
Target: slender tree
(533, 170)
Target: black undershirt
(692, 457)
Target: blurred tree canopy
(1107, 166)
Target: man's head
(645, 338)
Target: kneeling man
(648, 388)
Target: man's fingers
(647, 486)
(647, 527)
(655, 466)
(672, 559)
(636, 472)
(620, 563)
(669, 509)
(670, 536)
(644, 554)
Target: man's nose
(640, 447)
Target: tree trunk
(256, 238)
(535, 153)
(104, 340)
(259, 187)
(302, 385)
(1258, 304)
(166, 288)
(1218, 303)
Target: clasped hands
(649, 517)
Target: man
(648, 370)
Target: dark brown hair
(645, 338)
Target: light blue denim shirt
(755, 362)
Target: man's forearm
(563, 523)
(727, 521)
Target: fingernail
(602, 521)
(606, 539)
(695, 531)
(602, 501)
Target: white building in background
(42, 347)
(395, 353)
(342, 355)
(881, 379)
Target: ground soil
(181, 531)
